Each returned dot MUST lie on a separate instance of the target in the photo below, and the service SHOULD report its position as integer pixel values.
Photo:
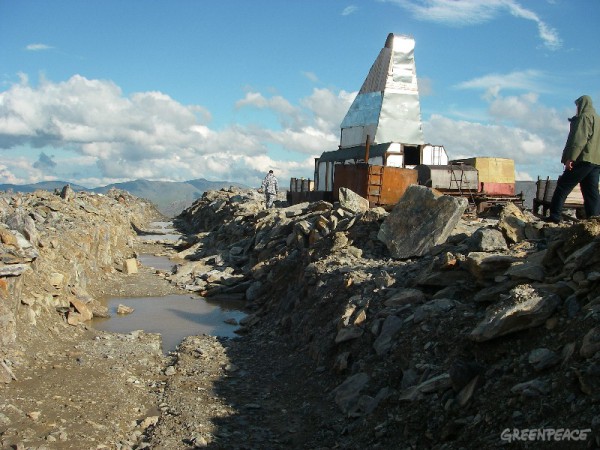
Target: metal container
(301, 185)
(491, 170)
(497, 189)
(381, 185)
(448, 178)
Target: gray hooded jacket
(583, 143)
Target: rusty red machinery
(484, 181)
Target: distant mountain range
(170, 197)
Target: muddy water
(156, 262)
(174, 316)
(161, 232)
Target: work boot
(551, 220)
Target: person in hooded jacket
(581, 157)
(270, 188)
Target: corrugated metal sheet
(387, 107)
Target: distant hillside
(170, 197)
(43, 185)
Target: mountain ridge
(170, 197)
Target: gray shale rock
(421, 220)
(526, 309)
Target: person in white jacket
(270, 188)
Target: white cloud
(468, 139)
(150, 135)
(257, 100)
(522, 110)
(474, 12)
(520, 128)
(528, 113)
(548, 35)
(38, 47)
(349, 10)
(529, 80)
(312, 127)
(96, 135)
(311, 76)
(329, 108)
(8, 177)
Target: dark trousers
(586, 175)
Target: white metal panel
(395, 160)
(322, 176)
(361, 120)
(400, 119)
(395, 147)
(357, 135)
(387, 106)
(434, 155)
(364, 110)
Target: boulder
(85, 312)
(352, 201)
(391, 326)
(130, 266)
(532, 268)
(421, 220)
(591, 343)
(124, 309)
(526, 309)
(406, 296)
(347, 394)
(483, 265)
(487, 240)
(513, 223)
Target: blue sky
(96, 92)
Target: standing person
(581, 158)
(270, 188)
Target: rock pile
(419, 327)
(490, 326)
(53, 247)
(63, 384)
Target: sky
(100, 92)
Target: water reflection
(161, 232)
(173, 316)
(157, 262)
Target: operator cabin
(383, 125)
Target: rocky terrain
(420, 327)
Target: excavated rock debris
(489, 332)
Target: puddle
(164, 232)
(156, 262)
(161, 227)
(173, 316)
